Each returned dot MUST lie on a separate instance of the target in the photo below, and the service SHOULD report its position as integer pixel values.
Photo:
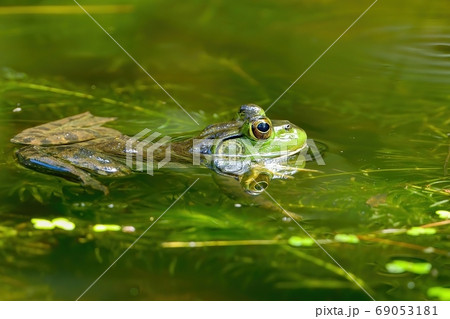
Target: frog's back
(74, 129)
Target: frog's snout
(290, 133)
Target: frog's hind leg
(41, 160)
(69, 130)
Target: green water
(379, 99)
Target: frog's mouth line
(257, 155)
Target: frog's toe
(41, 160)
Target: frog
(251, 149)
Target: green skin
(78, 148)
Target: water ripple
(421, 56)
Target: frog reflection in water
(251, 149)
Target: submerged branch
(369, 171)
(82, 95)
(404, 245)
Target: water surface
(379, 100)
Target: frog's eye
(261, 129)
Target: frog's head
(252, 135)
(267, 138)
(251, 140)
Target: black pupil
(263, 127)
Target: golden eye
(254, 182)
(261, 128)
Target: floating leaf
(42, 223)
(417, 231)
(440, 293)
(345, 238)
(300, 241)
(444, 214)
(401, 266)
(63, 223)
(101, 228)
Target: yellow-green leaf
(440, 293)
(417, 231)
(39, 223)
(444, 214)
(401, 266)
(63, 223)
(101, 228)
(345, 238)
(300, 241)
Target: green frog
(251, 149)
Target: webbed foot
(38, 159)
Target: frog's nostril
(287, 127)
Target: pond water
(378, 99)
